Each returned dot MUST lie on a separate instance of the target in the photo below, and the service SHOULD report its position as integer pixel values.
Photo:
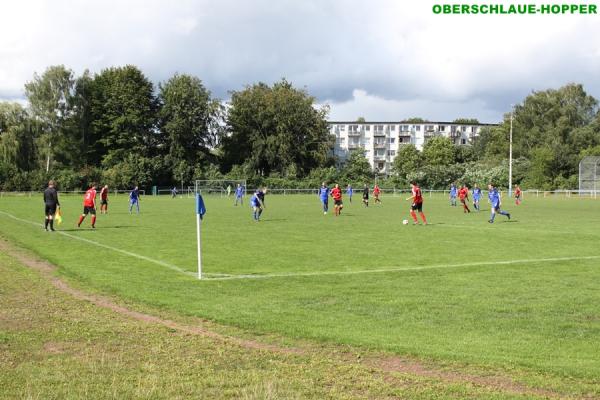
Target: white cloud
(398, 52)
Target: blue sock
(503, 212)
(492, 217)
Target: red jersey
(376, 190)
(417, 196)
(89, 199)
(336, 193)
(517, 192)
(463, 193)
(104, 194)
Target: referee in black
(51, 203)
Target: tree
(466, 121)
(407, 161)
(50, 99)
(190, 121)
(123, 113)
(17, 137)
(357, 168)
(415, 120)
(361, 120)
(271, 128)
(439, 151)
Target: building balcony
(379, 133)
(355, 133)
(379, 158)
(354, 146)
(380, 145)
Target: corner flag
(200, 211)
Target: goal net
(589, 181)
(219, 187)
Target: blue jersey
(349, 191)
(239, 192)
(133, 196)
(453, 191)
(494, 197)
(324, 193)
(476, 194)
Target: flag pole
(200, 211)
(510, 155)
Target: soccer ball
(404, 222)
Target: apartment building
(382, 140)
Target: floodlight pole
(510, 153)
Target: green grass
(540, 317)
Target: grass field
(519, 295)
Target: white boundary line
(105, 246)
(222, 277)
(401, 269)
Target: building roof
(406, 123)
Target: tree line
(118, 128)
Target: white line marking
(401, 269)
(222, 276)
(128, 253)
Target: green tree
(415, 120)
(357, 168)
(407, 161)
(51, 102)
(271, 128)
(439, 151)
(123, 112)
(190, 121)
(466, 121)
(17, 137)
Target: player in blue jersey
(239, 195)
(494, 198)
(324, 196)
(453, 194)
(349, 192)
(476, 196)
(134, 198)
(257, 202)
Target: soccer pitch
(514, 294)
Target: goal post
(589, 176)
(218, 187)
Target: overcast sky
(380, 59)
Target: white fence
(111, 193)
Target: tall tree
(50, 98)
(357, 168)
(189, 119)
(123, 112)
(272, 128)
(17, 137)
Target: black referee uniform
(50, 202)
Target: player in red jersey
(336, 193)
(89, 205)
(376, 193)
(417, 203)
(463, 195)
(517, 195)
(104, 200)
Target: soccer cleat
(93, 226)
(490, 221)
(508, 215)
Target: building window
(428, 127)
(393, 128)
(353, 128)
(400, 140)
(442, 128)
(418, 128)
(342, 128)
(392, 153)
(367, 127)
(378, 128)
(380, 166)
(474, 129)
(342, 141)
(463, 128)
(392, 140)
(367, 141)
(463, 141)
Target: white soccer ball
(404, 222)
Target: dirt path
(387, 364)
